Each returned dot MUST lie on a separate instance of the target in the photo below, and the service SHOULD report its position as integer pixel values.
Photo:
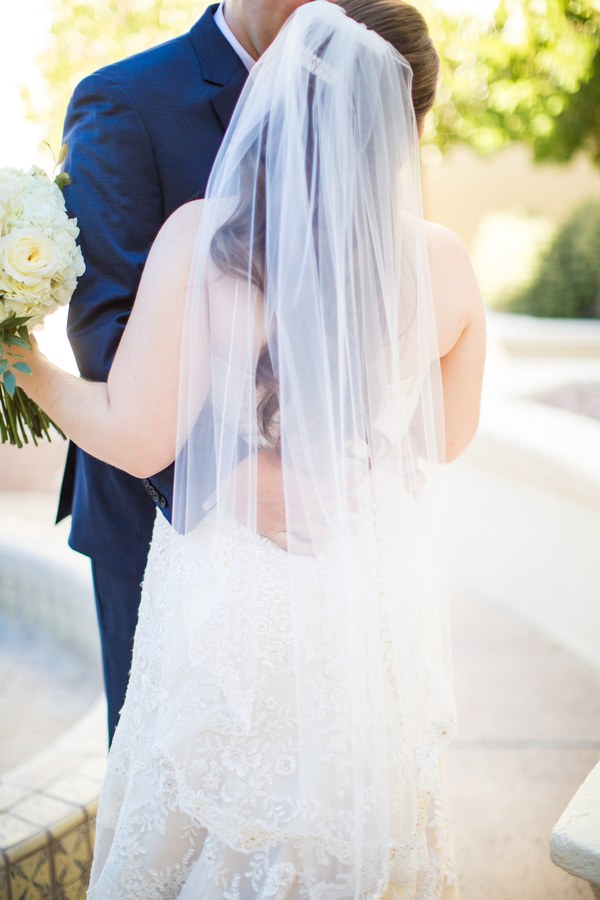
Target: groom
(142, 136)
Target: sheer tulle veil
(310, 335)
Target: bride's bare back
(130, 422)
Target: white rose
(15, 194)
(37, 172)
(78, 263)
(10, 178)
(5, 196)
(20, 307)
(29, 311)
(39, 294)
(29, 257)
(40, 261)
(65, 241)
(63, 292)
(34, 201)
(39, 211)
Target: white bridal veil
(310, 343)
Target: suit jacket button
(162, 502)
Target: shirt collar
(228, 34)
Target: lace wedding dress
(287, 716)
(164, 829)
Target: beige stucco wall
(463, 188)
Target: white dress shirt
(228, 34)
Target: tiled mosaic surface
(47, 816)
(48, 803)
(50, 864)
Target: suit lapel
(220, 65)
(225, 100)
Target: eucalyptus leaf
(10, 383)
(22, 367)
(14, 341)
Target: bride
(290, 701)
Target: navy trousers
(117, 602)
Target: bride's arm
(461, 327)
(130, 421)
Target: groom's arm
(116, 196)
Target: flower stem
(20, 415)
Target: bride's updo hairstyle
(404, 28)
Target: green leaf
(10, 383)
(22, 367)
(24, 335)
(3, 366)
(63, 180)
(13, 324)
(62, 155)
(14, 341)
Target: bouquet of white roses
(40, 263)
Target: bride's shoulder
(449, 259)
(176, 239)
(443, 243)
(172, 251)
(185, 217)
(455, 290)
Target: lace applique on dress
(198, 807)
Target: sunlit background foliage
(529, 73)
(532, 74)
(513, 71)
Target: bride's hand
(30, 357)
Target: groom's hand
(276, 507)
(261, 475)
(270, 499)
(290, 511)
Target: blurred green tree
(531, 74)
(566, 283)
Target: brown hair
(406, 30)
(242, 237)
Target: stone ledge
(555, 448)
(51, 590)
(534, 336)
(575, 843)
(526, 511)
(48, 803)
(48, 811)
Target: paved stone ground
(529, 734)
(579, 398)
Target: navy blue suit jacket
(142, 136)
